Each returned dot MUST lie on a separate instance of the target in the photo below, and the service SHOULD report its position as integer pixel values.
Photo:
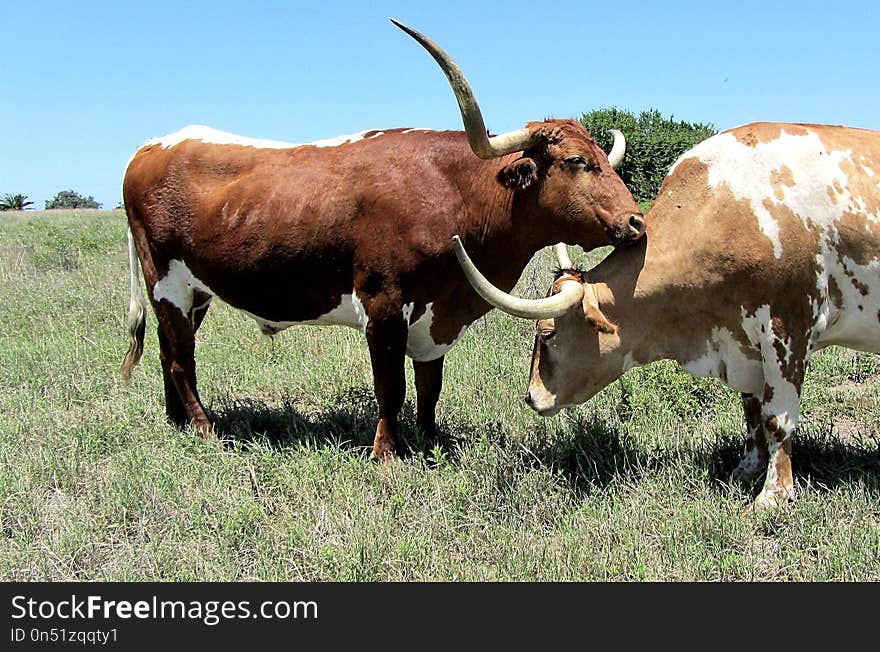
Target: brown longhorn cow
(782, 259)
(356, 231)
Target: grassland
(630, 486)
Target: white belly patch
(724, 358)
(349, 312)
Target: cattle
(781, 258)
(356, 231)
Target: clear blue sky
(85, 83)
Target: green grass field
(95, 485)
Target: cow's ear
(519, 175)
(593, 313)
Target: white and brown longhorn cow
(781, 258)
(356, 231)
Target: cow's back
(787, 214)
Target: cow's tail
(137, 312)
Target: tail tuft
(137, 313)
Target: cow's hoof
(384, 456)
(745, 474)
(206, 432)
(770, 500)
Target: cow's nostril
(637, 224)
(529, 399)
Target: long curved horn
(561, 251)
(483, 146)
(615, 156)
(569, 295)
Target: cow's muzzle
(541, 401)
(627, 230)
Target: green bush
(71, 199)
(653, 143)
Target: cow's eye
(547, 334)
(576, 161)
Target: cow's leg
(778, 484)
(784, 360)
(177, 353)
(174, 408)
(754, 459)
(387, 341)
(429, 381)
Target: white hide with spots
(751, 172)
(761, 349)
(818, 194)
(724, 358)
(797, 172)
(785, 404)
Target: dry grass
(95, 485)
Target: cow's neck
(654, 314)
(504, 229)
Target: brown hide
(283, 233)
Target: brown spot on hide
(781, 353)
(858, 285)
(780, 179)
(748, 139)
(418, 311)
(752, 409)
(765, 132)
(834, 292)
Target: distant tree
(653, 143)
(14, 202)
(71, 199)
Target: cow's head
(576, 354)
(567, 177)
(577, 349)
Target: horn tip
(406, 28)
(458, 248)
